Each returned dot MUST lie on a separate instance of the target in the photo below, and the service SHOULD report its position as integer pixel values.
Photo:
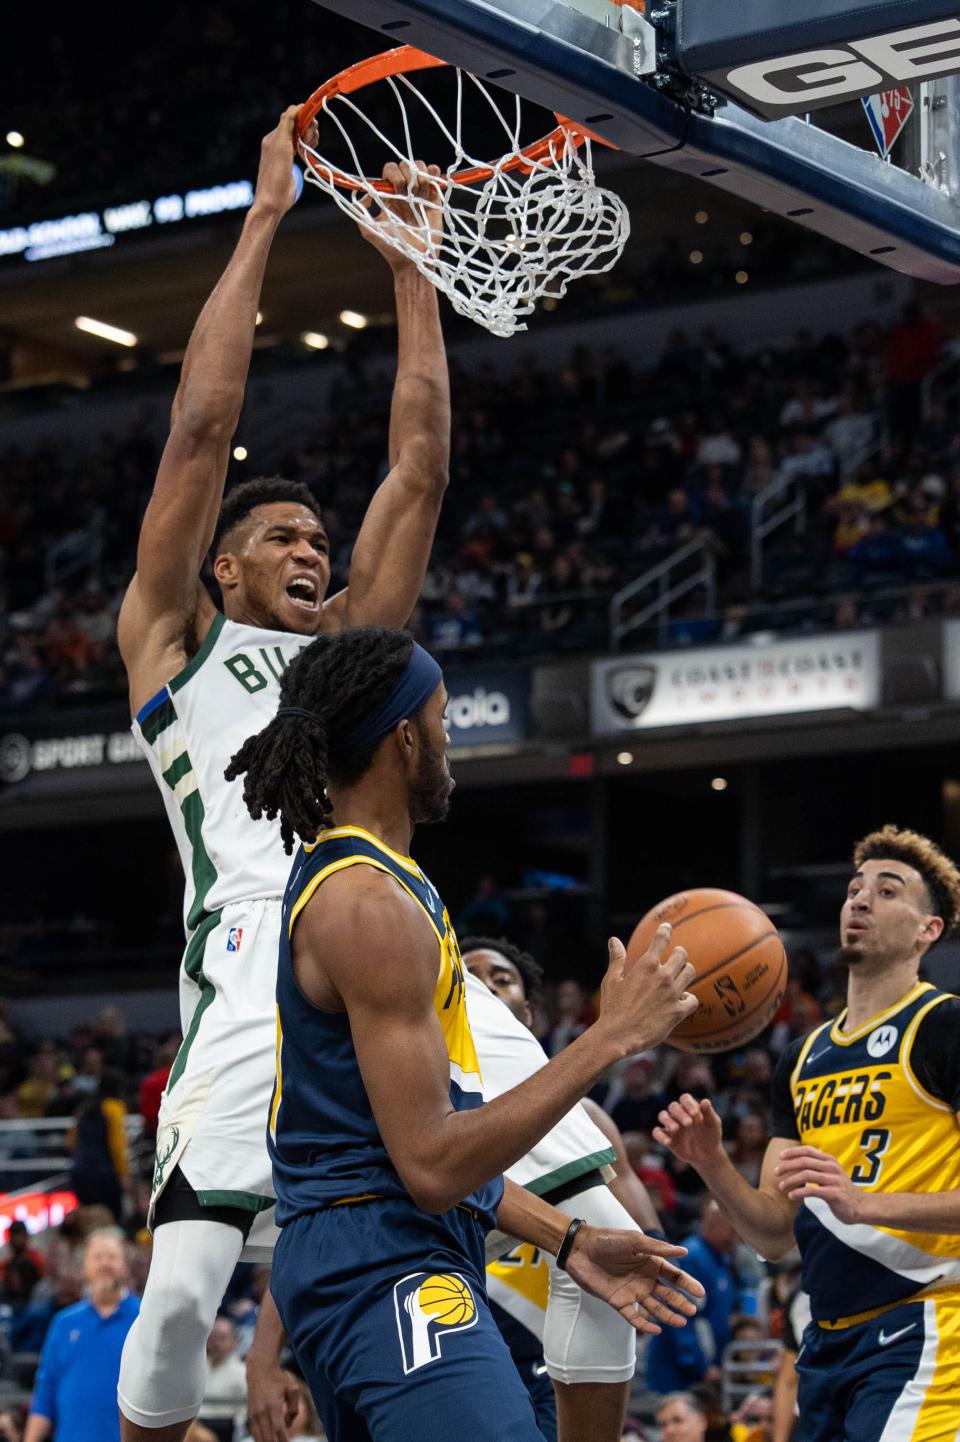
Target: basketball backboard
(609, 67)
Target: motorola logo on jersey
(631, 690)
(882, 1040)
(430, 1308)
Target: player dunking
(873, 1188)
(200, 682)
(386, 1160)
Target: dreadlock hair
(940, 875)
(531, 972)
(261, 491)
(341, 679)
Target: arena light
(353, 319)
(315, 339)
(741, 277)
(746, 237)
(15, 139)
(239, 453)
(625, 757)
(259, 319)
(103, 331)
(696, 256)
(702, 216)
(719, 783)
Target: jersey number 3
(874, 1144)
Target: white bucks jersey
(509, 1054)
(189, 731)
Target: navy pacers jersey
(882, 1100)
(323, 1138)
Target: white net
(497, 243)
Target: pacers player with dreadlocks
(864, 1164)
(386, 1158)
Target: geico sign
(789, 84)
(478, 708)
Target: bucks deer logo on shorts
(168, 1141)
(430, 1307)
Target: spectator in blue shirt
(924, 548)
(879, 552)
(75, 1397)
(679, 1358)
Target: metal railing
(35, 1152)
(749, 1368)
(76, 551)
(693, 567)
(789, 495)
(943, 382)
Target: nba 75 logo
(430, 1307)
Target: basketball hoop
(494, 236)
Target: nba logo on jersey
(430, 1307)
(234, 938)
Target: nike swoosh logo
(816, 1055)
(885, 1341)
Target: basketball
(739, 959)
(447, 1299)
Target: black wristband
(566, 1245)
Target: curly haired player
(864, 1164)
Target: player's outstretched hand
(275, 185)
(272, 1400)
(692, 1130)
(808, 1172)
(419, 225)
(634, 1274)
(640, 1004)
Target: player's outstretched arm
(634, 1274)
(161, 606)
(393, 547)
(365, 945)
(763, 1216)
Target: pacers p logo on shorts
(429, 1307)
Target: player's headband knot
(418, 681)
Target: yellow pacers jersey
(519, 1282)
(882, 1100)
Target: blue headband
(420, 679)
(418, 682)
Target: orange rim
(404, 60)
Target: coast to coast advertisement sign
(728, 683)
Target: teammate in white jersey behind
(581, 1164)
(200, 682)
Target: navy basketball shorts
(892, 1378)
(387, 1313)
